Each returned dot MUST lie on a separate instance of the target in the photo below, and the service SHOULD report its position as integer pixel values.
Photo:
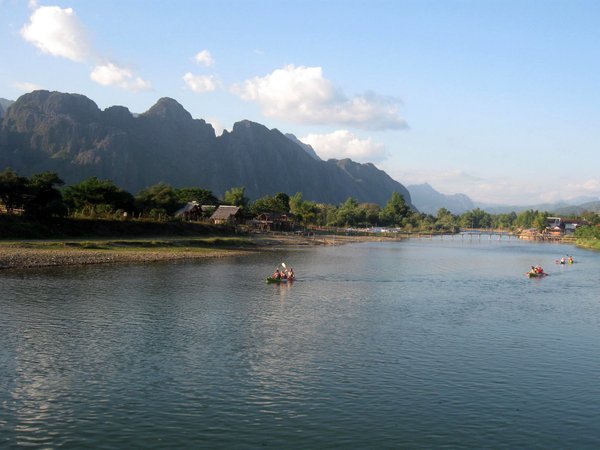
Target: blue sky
(499, 100)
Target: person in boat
(562, 260)
(533, 271)
(539, 269)
(290, 274)
(284, 275)
(571, 261)
(276, 275)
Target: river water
(413, 344)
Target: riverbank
(29, 254)
(588, 243)
(48, 253)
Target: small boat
(276, 280)
(279, 280)
(536, 275)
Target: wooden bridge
(483, 234)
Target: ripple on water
(411, 344)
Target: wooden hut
(274, 222)
(226, 215)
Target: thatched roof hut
(226, 215)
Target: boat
(536, 275)
(279, 280)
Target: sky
(498, 100)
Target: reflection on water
(410, 344)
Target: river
(433, 343)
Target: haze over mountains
(70, 135)
(426, 199)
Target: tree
(591, 217)
(349, 214)
(395, 211)
(94, 196)
(306, 212)
(43, 197)
(445, 221)
(476, 218)
(13, 190)
(525, 218)
(191, 194)
(236, 197)
(159, 199)
(280, 204)
(540, 221)
(371, 213)
(504, 221)
(283, 202)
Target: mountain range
(427, 200)
(68, 134)
(4, 104)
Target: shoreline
(29, 254)
(15, 255)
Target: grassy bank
(38, 253)
(589, 243)
(65, 242)
(16, 227)
(60, 242)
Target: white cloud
(25, 86)
(205, 58)
(344, 144)
(302, 95)
(58, 32)
(200, 83)
(109, 74)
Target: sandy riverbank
(30, 254)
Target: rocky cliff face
(69, 134)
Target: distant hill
(428, 200)
(70, 135)
(578, 209)
(559, 208)
(4, 104)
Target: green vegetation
(589, 236)
(140, 244)
(41, 207)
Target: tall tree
(160, 197)
(279, 204)
(44, 199)
(476, 218)
(13, 189)
(349, 214)
(191, 194)
(236, 197)
(93, 196)
(395, 211)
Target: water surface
(413, 344)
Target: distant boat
(279, 280)
(536, 275)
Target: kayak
(278, 280)
(536, 275)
